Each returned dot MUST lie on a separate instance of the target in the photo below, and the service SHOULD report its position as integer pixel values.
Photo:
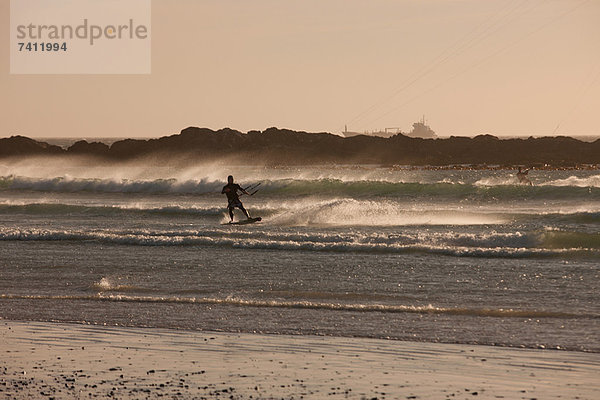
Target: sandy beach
(62, 361)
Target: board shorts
(234, 204)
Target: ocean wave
(327, 306)
(320, 212)
(573, 216)
(107, 210)
(556, 239)
(485, 189)
(300, 212)
(383, 212)
(478, 190)
(73, 185)
(591, 181)
(573, 181)
(547, 243)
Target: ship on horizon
(420, 129)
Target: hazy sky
(506, 67)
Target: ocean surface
(457, 256)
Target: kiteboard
(244, 221)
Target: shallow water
(451, 256)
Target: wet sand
(64, 361)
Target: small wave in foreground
(550, 243)
(356, 307)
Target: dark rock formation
(85, 148)
(20, 145)
(283, 146)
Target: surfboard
(244, 221)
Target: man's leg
(231, 213)
(241, 207)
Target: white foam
(448, 243)
(497, 181)
(590, 181)
(301, 304)
(351, 212)
(68, 184)
(104, 284)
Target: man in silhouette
(231, 191)
(522, 177)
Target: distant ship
(420, 130)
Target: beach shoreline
(61, 360)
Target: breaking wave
(71, 185)
(592, 181)
(488, 188)
(106, 210)
(317, 211)
(549, 243)
(353, 307)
